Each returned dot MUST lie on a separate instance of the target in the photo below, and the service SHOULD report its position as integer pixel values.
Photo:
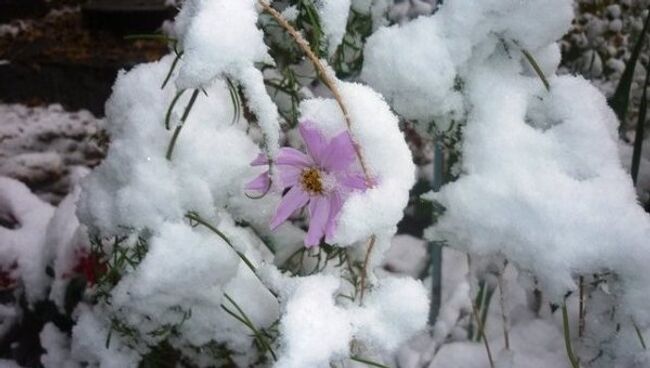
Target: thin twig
(364, 271)
(324, 74)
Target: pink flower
(321, 179)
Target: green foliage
(119, 255)
(177, 131)
(287, 78)
(286, 86)
(482, 303)
(309, 21)
(263, 337)
(621, 99)
(348, 58)
(640, 128)
(300, 262)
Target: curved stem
(243, 318)
(537, 69)
(567, 337)
(196, 218)
(324, 74)
(177, 131)
(168, 116)
(171, 69)
(639, 335)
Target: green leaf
(640, 128)
(620, 101)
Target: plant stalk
(567, 338)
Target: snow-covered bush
(204, 260)
(540, 185)
(247, 210)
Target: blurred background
(58, 61)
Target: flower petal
(351, 181)
(339, 153)
(293, 157)
(314, 141)
(319, 209)
(289, 175)
(260, 183)
(336, 203)
(294, 199)
(260, 160)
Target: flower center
(311, 181)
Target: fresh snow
(542, 199)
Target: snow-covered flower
(320, 179)
(89, 265)
(7, 277)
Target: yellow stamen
(311, 182)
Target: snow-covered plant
(258, 174)
(541, 185)
(202, 259)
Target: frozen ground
(44, 146)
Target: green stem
(567, 337)
(177, 131)
(639, 335)
(243, 318)
(234, 97)
(171, 70)
(367, 362)
(620, 101)
(640, 128)
(504, 313)
(186, 113)
(195, 217)
(537, 69)
(168, 116)
(479, 325)
(158, 37)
